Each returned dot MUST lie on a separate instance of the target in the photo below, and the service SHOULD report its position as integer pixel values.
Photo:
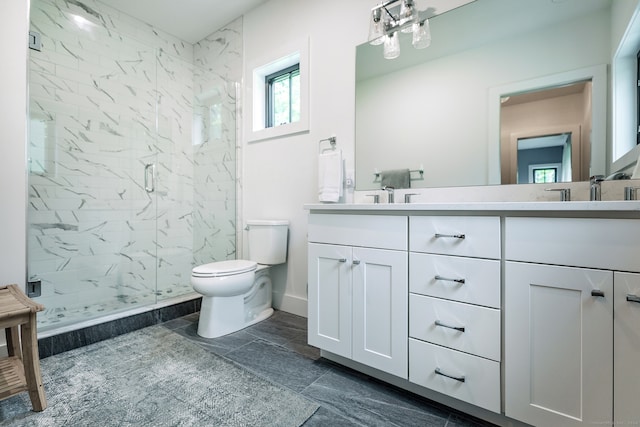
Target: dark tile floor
(276, 349)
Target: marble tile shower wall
(108, 96)
(218, 74)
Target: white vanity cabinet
(561, 286)
(358, 284)
(515, 314)
(454, 307)
(626, 344)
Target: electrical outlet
(349, 180)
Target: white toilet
(237, 293)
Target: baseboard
(290, 304)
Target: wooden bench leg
(13, 341)
(32, 364)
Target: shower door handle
(150, 168)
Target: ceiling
(189, 20)
(540, 95)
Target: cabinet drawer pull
(356, 261)
(633, 298)
(446, 279)
(597, 293)
(342, 260)
(439, 372)
(444, 325)
(454, 236)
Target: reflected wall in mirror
(432, 107)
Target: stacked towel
(330, 176)
(396, 178)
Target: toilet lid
(224, 268)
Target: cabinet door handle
(356, 261)
(446, 279)
(342, 260)
(597, 293)
(454, 236)
(633, 298)
(444, 325)
(453, 377)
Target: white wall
(13, 118)
(280, 175)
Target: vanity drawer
(477, 328)
(373, 231)
(610, 244)
(455, 235)
(478, 379)
(472, 280)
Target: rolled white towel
(330, 176)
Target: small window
(282, 90)
(545, 175)
(278, 96)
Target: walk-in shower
(132, 160)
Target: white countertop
(577, 206)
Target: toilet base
(230, 316)
(225, 322)
(224, 315)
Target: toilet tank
(267, 241)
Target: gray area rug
(153, 377)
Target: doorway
(545, 127)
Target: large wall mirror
(491, 63)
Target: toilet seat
(224, 268)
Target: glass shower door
(132, 175)
(92, 153)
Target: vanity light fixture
(393, 17)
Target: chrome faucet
(595, 192)
(390, 190)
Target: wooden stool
(20, 371)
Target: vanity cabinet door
(558, 359)
(380, 308)
(358, 305)
(329, 298)
(626, 344)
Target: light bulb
(407, 14)
(376, 28)
(421, 35)
(391, 46)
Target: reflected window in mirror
(543, 175)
